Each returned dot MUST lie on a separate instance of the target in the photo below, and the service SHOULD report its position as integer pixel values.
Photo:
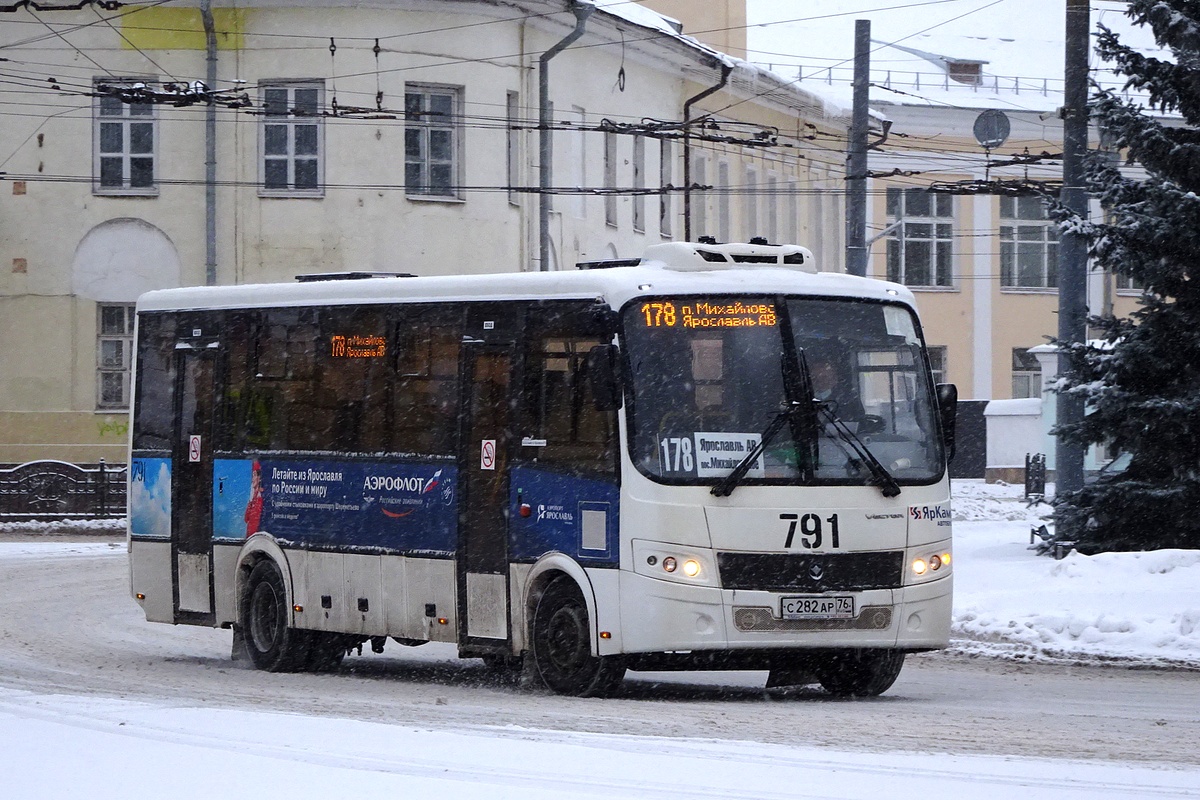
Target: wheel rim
(264, 617)
(567, 643)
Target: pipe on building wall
(726, 69)
(545, 141)
(210, 146)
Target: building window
(577, 160)
(126, 140)
(793, 213)
(1028, 244)
(723, 220)
(292, 139)
(610, 177)
(1127, 284)
(666, 166)
(937, 362)
(431, 140)
(919, 250)
(114, 354)
(751, 190)
(512, 109)
(1026, 374)
(639, 182)
(699, 200)
(772, 209)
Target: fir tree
(1141, 381)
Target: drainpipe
(687, 148)
(545, 142)
(210, 147)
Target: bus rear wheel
(562, 646)
(861, 673)
(272, 644)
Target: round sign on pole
(992, 129)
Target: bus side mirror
(604, 377)
(947, 399)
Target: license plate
(817, 607)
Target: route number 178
(677, 454)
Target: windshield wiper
(798, 391)
(879, 475)
(730, 482)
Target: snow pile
(67, 526)
(976, 501)
(1128, 608)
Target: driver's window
(887, 385)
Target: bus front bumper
(664, 616)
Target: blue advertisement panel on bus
(570, 514)
(406, 507)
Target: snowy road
(75, 656)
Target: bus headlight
(669, 562)
(927, 566)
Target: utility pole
(210, 146)
(856, 155)
(1072, 251)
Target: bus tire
(861, 673)
(562, 646)
(271, 643)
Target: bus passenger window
(156, 382)
(425, 404)
(562, 410)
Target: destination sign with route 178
(723, 313)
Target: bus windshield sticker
(717, 454)
(706, 314)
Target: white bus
(716, 458)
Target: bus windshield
(710, 374)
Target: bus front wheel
(562, 645)
(861, 673)
(271, 643)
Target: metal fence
(51, 490)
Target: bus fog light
(669, 564)
(691, 568)
(919, 566)
(935, 563)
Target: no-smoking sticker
(487, 454)
(193, 448)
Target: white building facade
(386, 137)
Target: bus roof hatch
(692, 257)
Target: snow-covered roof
(1018, 43)
(754, 74)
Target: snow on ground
(1131, 608)
(61, 747)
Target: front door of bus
(483, 498)
(191, 495)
